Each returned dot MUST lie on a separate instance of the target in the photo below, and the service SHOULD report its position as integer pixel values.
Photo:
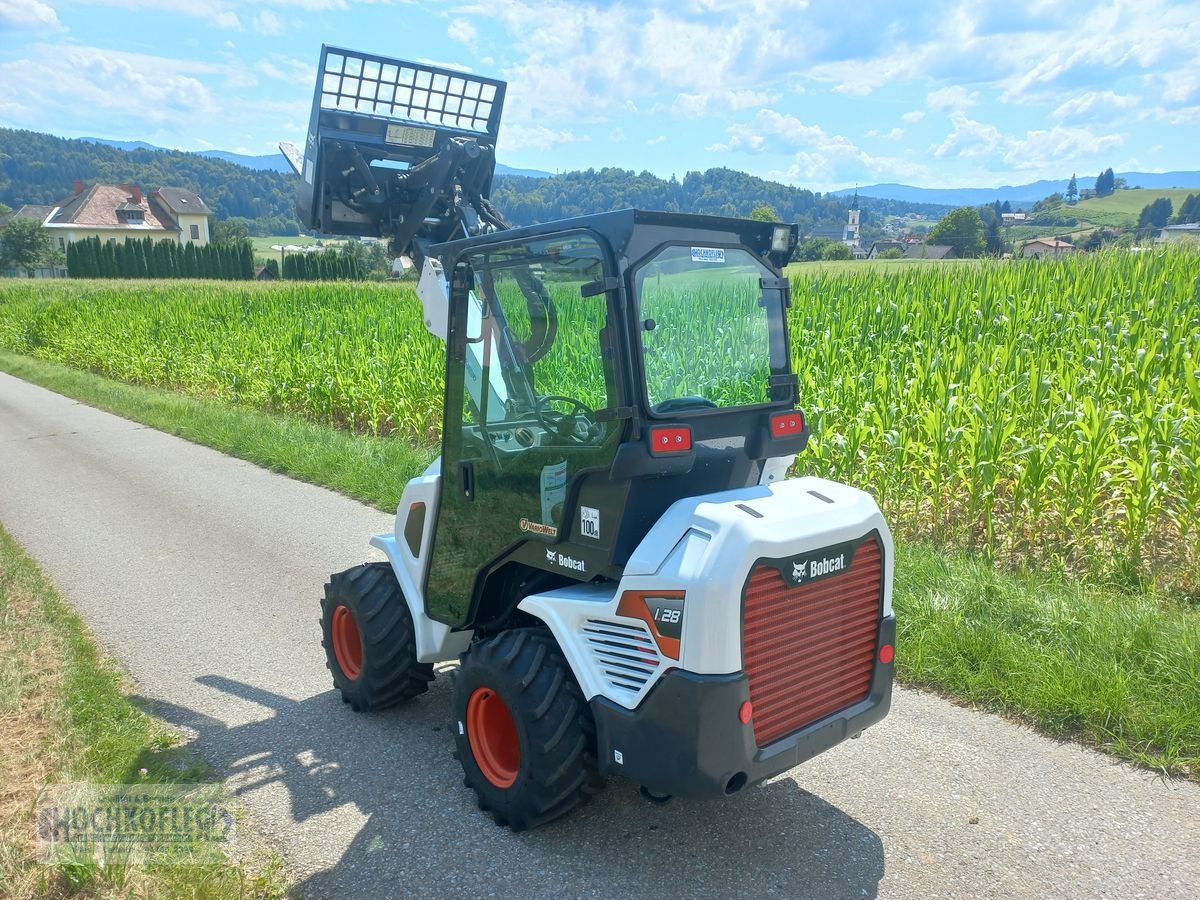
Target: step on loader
(608, 542)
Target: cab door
(532, 375)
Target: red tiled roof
(96, 207)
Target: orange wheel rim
(347, 643)
(493, 737)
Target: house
(1189, 232)
(113, 212)
(880, 247)
(929, 251)
(1047, 248)
(1010, 217)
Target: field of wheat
(1042, 413)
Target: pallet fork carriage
(608, 542)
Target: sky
(821, 95)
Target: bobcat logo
(799, 571)
(550, 554)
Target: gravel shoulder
(201, 574)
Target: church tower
(850, 235)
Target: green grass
(370, 469)
(1122, 208)
(1119, 670)
(1115, 668)
(67, 718)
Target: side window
(195, 232)
(537, 373)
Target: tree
(1156, 214)
(1106, 183)
(24, 244)
(1072, 190)
(961, 229)
(229, 231)
(1189, 210)
(836, 250)
(764, 213)
(991, 230)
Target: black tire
(366, 602)
(555, 736)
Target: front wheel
(524, 733)
(369, 640)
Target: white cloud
(518, 137)
(1103, 102)
(1058, 145)
(266, 22)
(28, 14)
(661, 139)
(815, 155)
(951, 99)
(1037, 150)
(969, 139)
(462, 31)
(913, 117)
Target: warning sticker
(589, 522)
(407, 134)
(708, 254)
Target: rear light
(787, 424)
(670, 439)
(745, 713)
(887, 653)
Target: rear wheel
(524, 733)
(370, 645)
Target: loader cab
(598, 370)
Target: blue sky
(822, 95)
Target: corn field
(1044, 413)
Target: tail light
(670, 439)
(787, 424)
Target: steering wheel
(578, 425)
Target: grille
(626, 654)
(361, 82)
(809, 649)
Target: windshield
(706, 329)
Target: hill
(717, 192)
(1023, 195)
(271, 162)
(1122, 208)
(39, 168)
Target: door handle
(466, 479)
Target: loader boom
(398, 150)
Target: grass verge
(65, 717)
(373, 470)
(1113, 668)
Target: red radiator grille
(809, 649)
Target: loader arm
(398, 150)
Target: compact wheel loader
(608, 543)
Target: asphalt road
(201, 574)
